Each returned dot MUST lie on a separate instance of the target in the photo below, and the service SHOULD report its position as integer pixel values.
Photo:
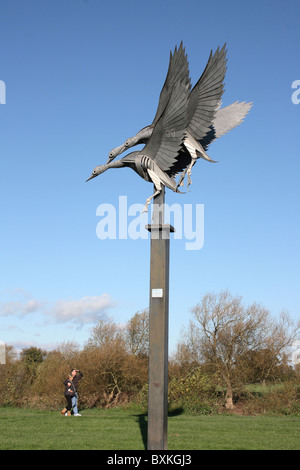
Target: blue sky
(83, 75)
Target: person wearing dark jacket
(69, 394)
(77, 376)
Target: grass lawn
(119, 429)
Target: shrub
(194, 393)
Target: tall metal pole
(159, 327)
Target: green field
(119, 429)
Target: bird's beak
(90, 178)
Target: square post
(159, 327)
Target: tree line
(226, 347)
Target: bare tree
(104, 332)
(137, 333)
(283, 331)
(228, 331)
(188, 353)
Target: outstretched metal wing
(178, 71)
(168, 134)
(226, 119)
(206, 95)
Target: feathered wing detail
(230, 117)
(206, 95)
(178, 71)
(225, 120)
(168, 134)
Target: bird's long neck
(143, 135)
(114, 164)
(128, 161)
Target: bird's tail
(195, 149)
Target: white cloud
(19, 308)
(82, 311)
(18, 345)
(20, 303)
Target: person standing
(77, 376)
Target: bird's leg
(149, 199)
(158, 187)
(189, 171)
(181, 179)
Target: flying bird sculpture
(186, 122)
(198, 138)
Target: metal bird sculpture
(203, 101)
(205, 120)
(185, 123)
(156, 161)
